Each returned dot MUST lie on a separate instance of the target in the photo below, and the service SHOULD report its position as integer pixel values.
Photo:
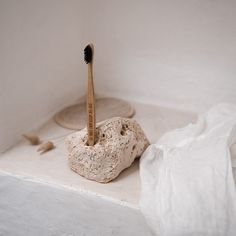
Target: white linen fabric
(186, 178)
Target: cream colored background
(178, 54)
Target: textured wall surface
(28, 208)
(41, 65)
(174, 53)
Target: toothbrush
(91, 118)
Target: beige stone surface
(119, 142)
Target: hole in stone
(123, 129)
(86, 144)
(103, 135)
(133, 147)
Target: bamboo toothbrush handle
(91, 120)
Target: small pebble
(45, 147)
(32, 138)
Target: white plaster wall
(34, 209)
(179, 54)
(41, 69)
(176, 53)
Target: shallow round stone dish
(74, 117)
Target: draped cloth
(187, 184)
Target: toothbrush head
(88, 53)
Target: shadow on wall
(41, 65)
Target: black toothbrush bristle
(88, 54)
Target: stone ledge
(24, 161)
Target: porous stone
(119, 141)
